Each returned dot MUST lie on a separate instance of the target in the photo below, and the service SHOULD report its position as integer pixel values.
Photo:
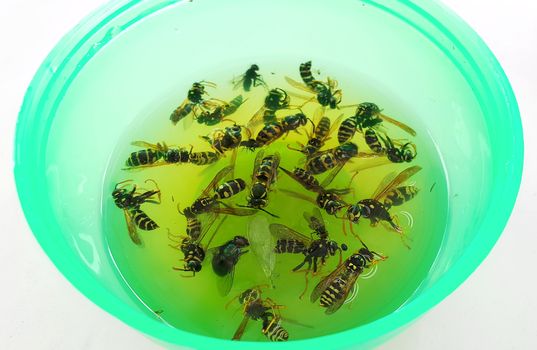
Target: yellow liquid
(194, 304)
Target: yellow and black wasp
(276, 99)
(326, 93)
(130, 201)
(383, 145)
(256, 308)
(388, 194)
(220, 111)
(322, 129)
(334, 158)
(156, 154)
(314, 250)
(334, 289)
(223, 140)
(249, 79)
(263, 177)
(194, 103)
(367, 115)
(275, 130)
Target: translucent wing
(298, 195)
(399, 179)
(225, 283)
(274, 169)
(143, 144)
(262, 244)
(315, 220)
(326, 281)
(384, 182)
(206, 225)
(297, 179)
(348, 287)
(240, 331)
(257, 119)
(217, 178)
(334, 125)
(318, 115)
(402, 126)
(257, 163)
(131, 227)
(280, 231)
(299, 85)
(373, 163)
(234, 211)
(332, 175)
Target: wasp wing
(348, 287)
(315, 220)
(297, 179)
(242, 327)
(234, 211)
(131, 227)
(217, 178)
(280, 231)
(257, 163)
(257, 119)
(143, 144)
(298, 85)
(332, 175)
(225, 283)
(298, 195)
(399, 179)
(274, 168)
(402, 126)
(326, 281)
(262, 244)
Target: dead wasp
(249, 79)
(220, 111)
(130, 201)
(275, 130)
(229, 138)
(275, 100)
(156, 154)
(322, 128)
(394, 151)
(314, 250)
(263, 177)
(255, 308)
(334, 158)
(194, 102)
(388, 190)
(334, 289)
(367, 115)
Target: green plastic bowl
(102, 74)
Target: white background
(495, 309)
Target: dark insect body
(193, 102)
(275, 130)
(249, 79)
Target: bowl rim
(472, 48)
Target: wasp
(275, 130)
(334, 289)
(320, 134)
(314, 250)
(222, 140)
(249, 79)
(156, 154)
(367, 115)
(327, 94)
(207, 203)
(224, 259)
(220, 112)
(388, 190)
(256, 308)
(333, 158)
(405, 153)
(191, 247)
(194, 102)
(263, 176)
(275, 100)
(130, 201)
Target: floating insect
(255, 308)
(374, 210)
(334, 289)
(156, 154)
(262, 245)
(220, 112)
(334, 158)
(203, 157)
(405, 153)
(263, 176)
(367, 115)
(320, 134)
(249, 79)
(275, 100)
(314, 250)
(194, 102)
(222, 140)
(130, 201)
(275, 130)
(224, 259)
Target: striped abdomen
(273, 330)
(265, 169)
(400, 195)
(321, 163)
(142, 220)
(372, 141)
(203, 158)
(181, 112)
(270, 133)
(334, 291)
(230, 188)
(347, 129)
(307, 179)
(269, 116)
(305, 74)
(322, 129)
(289, 246)
(193, 227)
(144, 157)
(193, 252)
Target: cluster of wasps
(265, 127)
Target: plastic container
(101, 75)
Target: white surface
(494, 309)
